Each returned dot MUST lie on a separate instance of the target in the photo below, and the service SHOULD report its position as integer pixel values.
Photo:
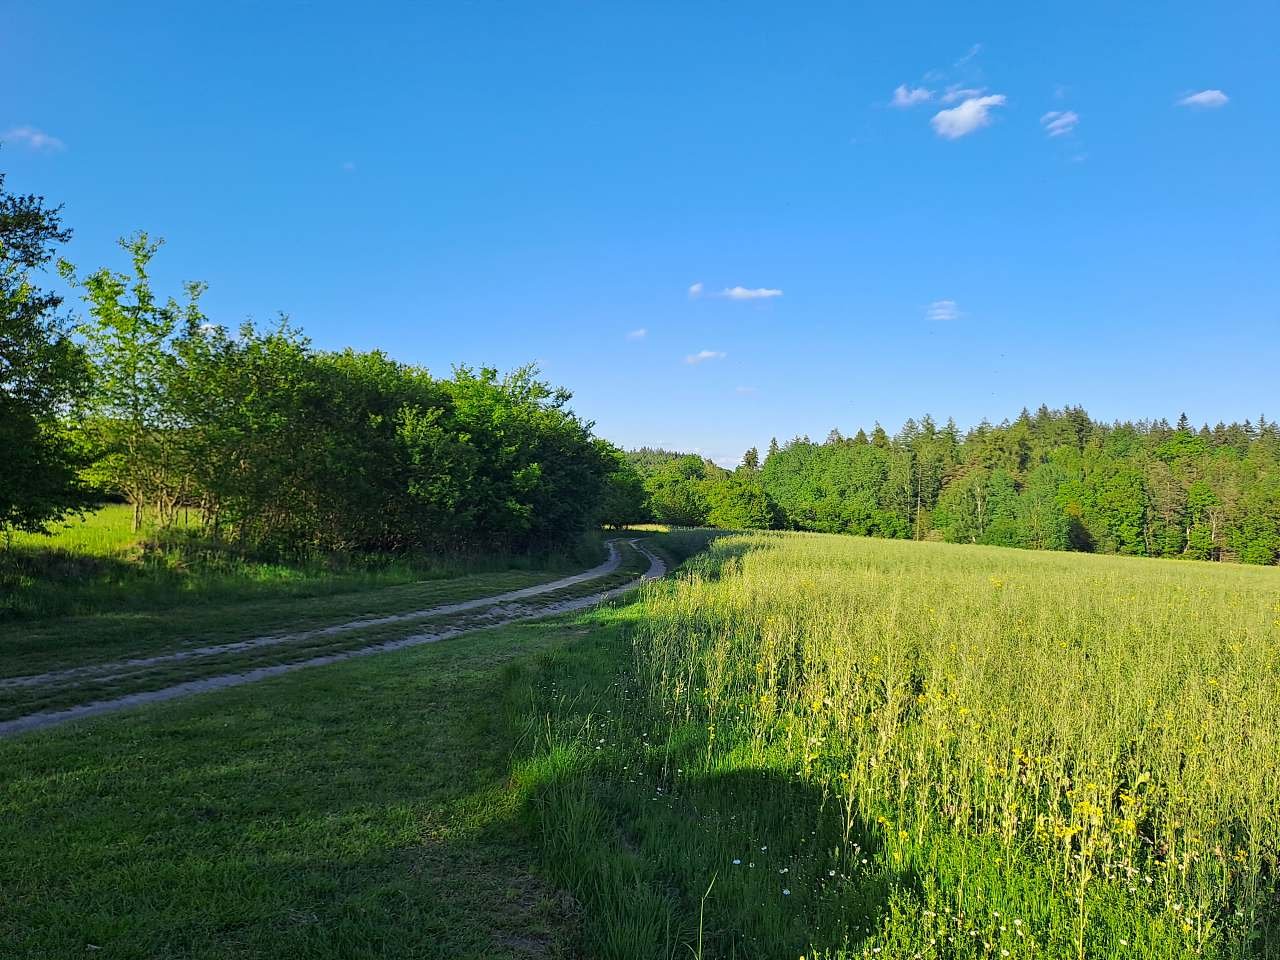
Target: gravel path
(500, 610)
(105, 671)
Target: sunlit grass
(107, 531)
(899, 749)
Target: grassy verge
(98, 564)
(365, 809)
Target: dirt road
(488, 612)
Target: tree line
(255, 436)
(1052, 479)
(270, 443)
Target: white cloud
(973, 52)
(744, 293)
(973, 114)
(956, 92)
(704, 355)
(695, 290)
(744, 390)
(33, 138)
(638, 334)
(1205, 100)
(906, 96)
(1058, 123)
(943, 310)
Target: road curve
(499, 610)
(106, 670)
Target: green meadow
(797, 745)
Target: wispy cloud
(695, 290)
(972, 52)
(943, 310)
(744, 390)
(906, 96)
(956, 92)
(973, 114)
(1205, 100)
(702, 356)
(746, 293)
(1058, 123)
(34, 139)
(638, 334)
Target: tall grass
(899, 749)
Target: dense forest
(1052, 479)
(254, 437)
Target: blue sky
(954, 209)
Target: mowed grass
(361, 810)
(836, 747)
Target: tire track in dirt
(106, 670)
(503, 609)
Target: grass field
(869, 748)
(800, 746)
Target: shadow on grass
(746, 863)
(669, 856)
(35, 582)
(176, 568)
(712, 554)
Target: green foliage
(678, 490)
(133, 423)
(281, 447)
(624, 500)
(688, 491)
(737, 501)
(1052, 480)
(42, 373)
